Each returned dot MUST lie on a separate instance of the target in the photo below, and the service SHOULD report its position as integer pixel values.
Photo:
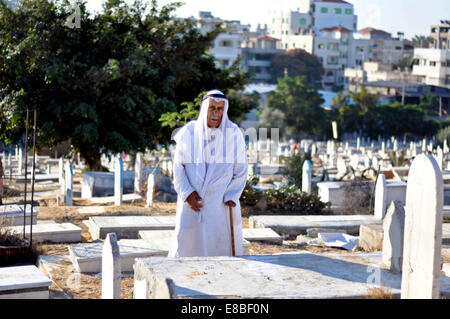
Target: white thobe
(210, 233)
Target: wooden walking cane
(232, 232)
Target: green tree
(102, 86)
(297, 62)
(429, 104)
(301, 104)
(365, 102)
(270, 118)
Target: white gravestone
(393, 226)
(69, 184)
(380, 197)
(111, 268)
(375, 163)
(151, 181)
(423, 230)
(440, 157)
(61, 175)
(306, 177)
(118, 181)
(20, 163)
(138, 173)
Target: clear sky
(409, 16)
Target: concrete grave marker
(111, 268)
(393, 227)
(118, 181)
(380, 197)
(440, 157)
(69, 184)
(151, 182)
(306, 177)
(138, 173)
(61, 178)
(423, 230)
(23, 282)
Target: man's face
(215, 113)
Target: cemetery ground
(69, 284)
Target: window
(287, 32)
(337, 10)
(321, 46)
(273, 21)
(332, 60)
(348, 11)
(398, 48)
(432, 63)
(227, 44)
(302, 21)
(293, 45)
(333, 47)
(324, 10)
(273, 32)
(287, 21)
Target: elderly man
(210, 172)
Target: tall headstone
(111, 268)
(395, 147)
(446, 149)
(69, 183)
(383, 147)
(440, 157)
(393, 227)
(118, 181)
(313, 150)
(423, 230)
(61, 171)
(62, 178)
(375, 163)
(138, 173)
(20, 161)
(151, 182)
(424, 145)
(380, 197)
(306, 177)
(358, 143)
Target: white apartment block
(433, 66)
(226, 48)
(375, 72)
(328, 29)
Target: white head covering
(207, 147)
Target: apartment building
(432, 66)
(441, 35)
(257, 55)
(226, 48)
(384, 48)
